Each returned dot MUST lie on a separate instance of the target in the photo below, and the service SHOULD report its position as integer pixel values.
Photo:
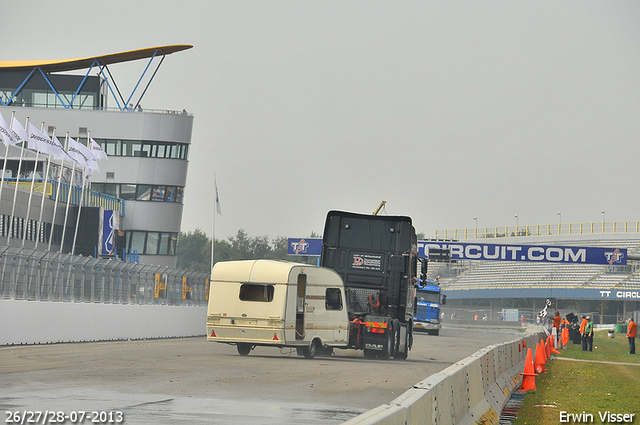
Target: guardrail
(540, 230)
(471, 391)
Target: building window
(128, 191)
(136, 242)
(142, 192)
(151, 243)
(144, 149)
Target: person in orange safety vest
(556, 321)
(632, 331)
(582, 334)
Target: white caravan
(279, 304)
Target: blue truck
(429, 300)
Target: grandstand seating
(521, 275)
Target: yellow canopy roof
(60, 65)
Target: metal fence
(462, 314)
(592, 228)
(28, 274)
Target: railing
(91, 198)
(28, 274)
(540, 230)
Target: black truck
(377, 258)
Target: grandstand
(608, 293)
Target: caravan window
(253, 292)
(333, 299)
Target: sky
(445, 110)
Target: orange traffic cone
(565, 337)
(540, 361)
(528, 380)
(547, 346)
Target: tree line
(194, 249)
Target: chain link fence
(28, 274)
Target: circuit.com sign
(528, 253)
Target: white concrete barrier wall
(36, 322)
(471, 391)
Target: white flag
(97, 150)
(42, 143)
(5, 133)
(18, 131)
(218, 209)
(82, 155)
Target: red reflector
(213, 333)
(275, 337)
(376, 330)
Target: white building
(143, 179)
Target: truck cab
(430, 299)
(376, 257)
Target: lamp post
(475, 236)
(559, 222)
(603, 219)
(516, 224)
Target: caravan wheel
(312, 350)
(243, 349)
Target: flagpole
(6, 156)
(75, 234)
(15, 193)
(58, 186)
(213, 227)
(66, 213)
(44, 190)
(33, 182)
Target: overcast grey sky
(446, 110)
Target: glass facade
(140, 192)
(146, 149)
(151, 243)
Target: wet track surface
(190, 380)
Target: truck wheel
(243, 349)
(312, 350)
(403, 356)
(391, 340)
(436, 332)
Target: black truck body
(376, 257)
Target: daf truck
(376, 257)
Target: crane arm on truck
(381, 206)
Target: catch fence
(34, 275)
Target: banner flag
(42, 143)
(82, 155)
(5, 132)
(19, 134)
(97, 150)
(218, 209)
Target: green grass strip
(606, 379)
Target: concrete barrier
(39, 322)
(471, 391)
